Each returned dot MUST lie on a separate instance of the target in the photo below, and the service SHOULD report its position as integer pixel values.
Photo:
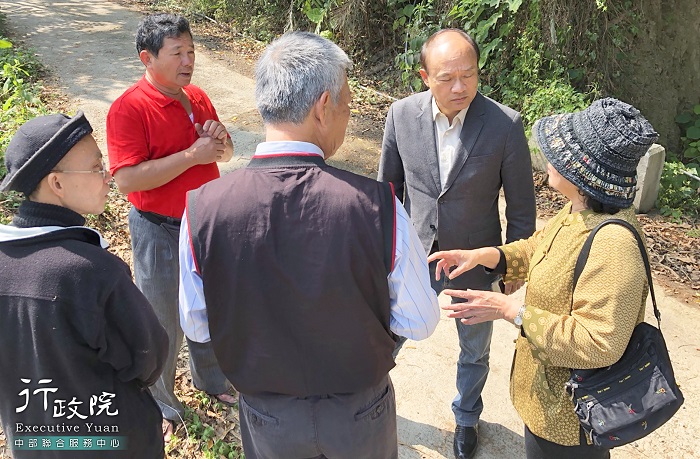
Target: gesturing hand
(482, 306)
(464, 260)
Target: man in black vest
(301, 274)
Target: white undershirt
(447, 139)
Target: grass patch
(20, 98)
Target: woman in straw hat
(593, 156)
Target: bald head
(450, 36)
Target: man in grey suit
(449, 151)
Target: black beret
(38, 146)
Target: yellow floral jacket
(588, 328)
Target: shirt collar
(436, 111)
(160, 98)
(12, 233)
(287, 147)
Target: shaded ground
(89, 49)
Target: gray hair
(292, 74)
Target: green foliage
(9, 203)
(689, 123)
(679, 193)
(566, 51)
(19, 97)
(19, 93)
(556, 97)
(317, 12)
(260, 19)
(205, 435)
(416, 21)
(488, 23)
(207, 7)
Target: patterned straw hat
(598, 149)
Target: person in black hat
(593, 156)
(79, 342)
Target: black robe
(79, 343)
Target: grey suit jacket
(493, 154)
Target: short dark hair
(155, 28)
(597, 206)
(430, 40)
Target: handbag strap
(585, 250)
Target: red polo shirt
(143, 124)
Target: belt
(159, 219)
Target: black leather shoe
(466, 439)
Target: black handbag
(637, 394)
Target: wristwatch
(518, 320)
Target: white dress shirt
(447, 139)
(414, 304)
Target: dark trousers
(156, 272)
(473, 361)
(337, 426)
(539, 448)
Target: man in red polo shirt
(164, 139)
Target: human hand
(206, 150)
(217, 131)
(213, 129)
(512, 287)
(482, 306)
(464, 260)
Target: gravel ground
(89, 47)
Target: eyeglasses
(102, 171)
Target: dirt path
(89, 45)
